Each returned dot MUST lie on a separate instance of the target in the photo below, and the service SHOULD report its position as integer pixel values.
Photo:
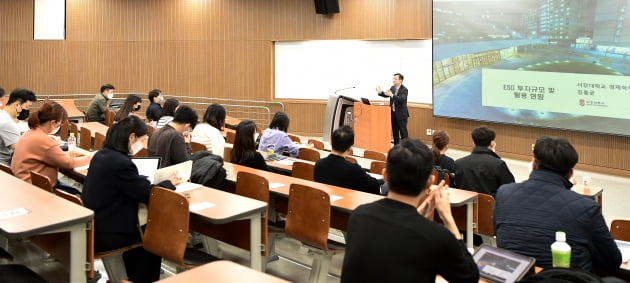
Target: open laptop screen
(147, 166)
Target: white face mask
(161, 99)
(135, 147)
(110, 96)
(55, 130)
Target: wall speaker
(327, 6)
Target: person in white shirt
(209, 133)
(9, 131)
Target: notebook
(147, 166)
(183, 170)
(500, 265)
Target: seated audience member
(130, 107)
(391, 240)
(482, 171)
(3, 98)
(528, 214)
(98, 106)
(38, 152)
(442, 162)
(9, 131)
(209, 133)
(168, 111)
(335, 170)
(25, 112)
(172, 142)
(113, 189)
(154, 111)
(244, 148)
(276, 138)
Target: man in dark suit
(398, 101)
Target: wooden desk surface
(223, 271)
(94, 127)
(226, 207)
(279, 184)
(71, 108)
(46, 211)
(592, 192)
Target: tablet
(501, 265)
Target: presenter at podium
(398, 102)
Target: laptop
(147, 166)
(365, 101)
(500, 265)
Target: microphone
(343, 89)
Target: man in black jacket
(398, 101)
(482, 171)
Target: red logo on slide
(581, 102)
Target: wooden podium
(372, 127)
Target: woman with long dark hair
(244, 150)
(131, 105)
(113, 188)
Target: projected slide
(548, 63)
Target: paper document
(334, 198)
(201, 206)
(186, 186)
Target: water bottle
(561, 251)
(72, 142)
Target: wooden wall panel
(224, 48)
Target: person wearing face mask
(38, 152)
(154, 111)
(172, 142)
(26, 106)
(97, 108)
(9, 130)
(131, 105)
(113, 189)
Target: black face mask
(23, 115)
(138, 108)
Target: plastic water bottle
(561, 251)
(72, 142)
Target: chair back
(485, 204)
(227, 154)
(308, 216)
(166, 231)
(230, 136)
(316, 144)
(309, 154)
(374, 155)
(195, 146)
(42, 182)
(85, 142)
(99, 140)
(377, 167)
(294, 138)
(63, 131)
(142, 153)
(74, 129)
(109, 117)
(620, 229)
(151, 130)
(350, 159)
(6, 168)
(303, 170)
(252, 186)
